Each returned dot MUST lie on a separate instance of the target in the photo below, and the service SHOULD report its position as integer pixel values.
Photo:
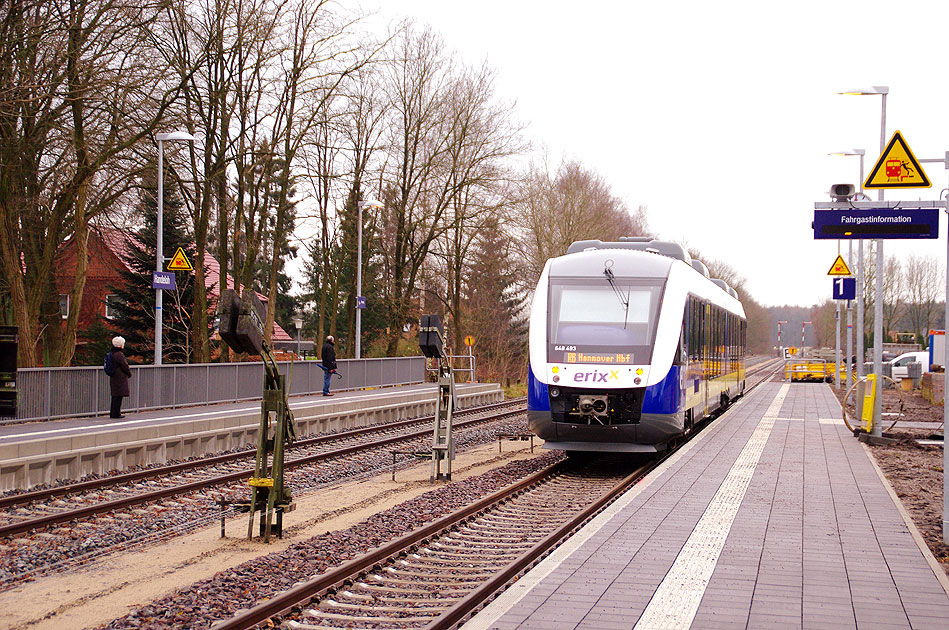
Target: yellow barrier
(869, 398)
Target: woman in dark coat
(119, 381)
(328, 355)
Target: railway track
(47, 507)
(438, 574)
(434, 577)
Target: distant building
(108, 251)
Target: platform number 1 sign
(845, 288)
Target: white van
(900, 369)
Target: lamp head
(876, 89)
(174, 135)
(848, 152)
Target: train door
(707, 355)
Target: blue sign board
(876, 223)
(845, 288)
(163, 279)
(360, 301)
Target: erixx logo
(595, 376)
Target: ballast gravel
(198, 606)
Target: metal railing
(464, 363)
(49, 393)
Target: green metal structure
(242, 329)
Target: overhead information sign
(897, 168)
(179, 262)
(839, 268)
(876, 223)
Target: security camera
(842, 192)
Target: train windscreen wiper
(624, 300)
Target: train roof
(666, 249)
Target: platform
(41, 452)
(775, 517)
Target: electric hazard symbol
(839, 268)
(897, 168)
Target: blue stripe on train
(665, 397)
(537, 396)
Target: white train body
(631, 344)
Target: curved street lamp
(877, 431)
(360, 300)
(159, 252)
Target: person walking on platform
(328, 363)
(119, 380)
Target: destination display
(884, 223)
(607, 355)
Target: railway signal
(431, 341)
(242, 328)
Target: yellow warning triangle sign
(839, 268)
(897, 168)
(179, 262)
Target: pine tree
(496, 309)
(135, 307)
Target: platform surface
(774, 518)
(23, 431)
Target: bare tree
(482, 139)
(922, 277)
(573, 205)
(418, 191)
(80, 88)
(893, 292)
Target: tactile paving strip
(676, 600)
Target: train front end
(602, 353)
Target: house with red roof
(108, 251)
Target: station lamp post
(859, 296)
(360, 301)
(298, 322)
(882, 91)
(159, 252)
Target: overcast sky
(717, 116)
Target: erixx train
(631, 345)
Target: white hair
(118, 341)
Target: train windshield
(594, 321)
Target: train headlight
(554, 392)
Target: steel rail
(159, 471)
(477, 597)
(12, 529)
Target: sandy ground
(119, 584)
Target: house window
(64, 304)
(111, 301)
